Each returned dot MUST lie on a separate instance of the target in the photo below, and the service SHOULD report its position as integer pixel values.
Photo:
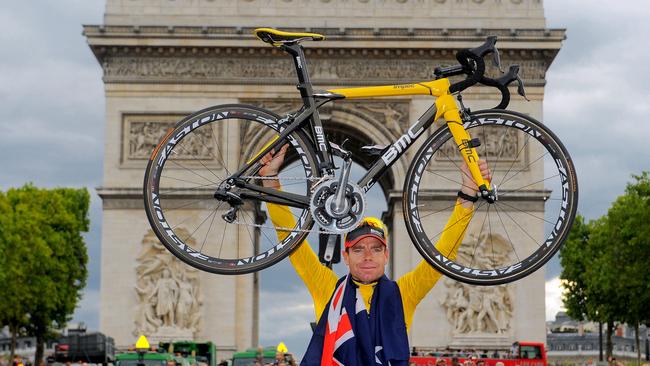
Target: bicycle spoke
(188, 204)
(490, 230)
(496, 208)
(223, 236)
(186, 181)
(192, 216)
(181, 189)
(469, 175)
(527, 185)
(249, 233)
(191, 171)
(515, 159)
(439, 211)
(478, 239)
(201, 224)
(521, 228)
(457, 221)
(526, 212)
(228, 142)
(210, 228)
(225, 166)
(449, 179)
(199, 160)
(267, 238)
(521, 170)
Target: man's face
(366, 259)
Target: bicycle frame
(444, 106)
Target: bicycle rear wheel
(193, 160)
(511, 238)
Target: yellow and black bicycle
(203, 193)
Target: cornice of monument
(206, 35)
(350, 56)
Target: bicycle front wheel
(194, 159)
(503, 241)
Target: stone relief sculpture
(503, 146)
(475, 309)
(168, 292)
(231, 69)
(144, 133)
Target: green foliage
(44, 256)
(606, 271)
(629, 233)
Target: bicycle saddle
(276, 37)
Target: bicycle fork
(447, 108)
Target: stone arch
(349, 120)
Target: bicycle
(206, 167)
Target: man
(363, 318)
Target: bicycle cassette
(321, 201)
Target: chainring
(320, 207)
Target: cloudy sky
(52, 107)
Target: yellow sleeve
(416, 284)
(320, 280)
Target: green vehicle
(251, 355)
(148, 359)
(196, 353)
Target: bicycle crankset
(326, 214)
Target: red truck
(520, 354)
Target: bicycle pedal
(374, 150)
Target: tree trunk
(38, 355)
(610, 346)
(638, 344)
(600, 341)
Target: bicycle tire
(185, 170)
(519, 150)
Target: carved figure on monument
(480, 310)
(168, 293)
(144, 136)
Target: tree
(605, 267)
(589, 277)
(47, 255)
(629, 235)
(18, 226)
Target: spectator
(480, 363)
(454, 361)
(441, 362)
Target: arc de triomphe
(163, 59)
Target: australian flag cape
(347, 335)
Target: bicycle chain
(318, 181)
(283, 228)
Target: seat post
(326, 163)
(299, 61)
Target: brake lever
(513, 75)
(496, 59)
(520, 88)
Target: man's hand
(273, 161)
(469, 186)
